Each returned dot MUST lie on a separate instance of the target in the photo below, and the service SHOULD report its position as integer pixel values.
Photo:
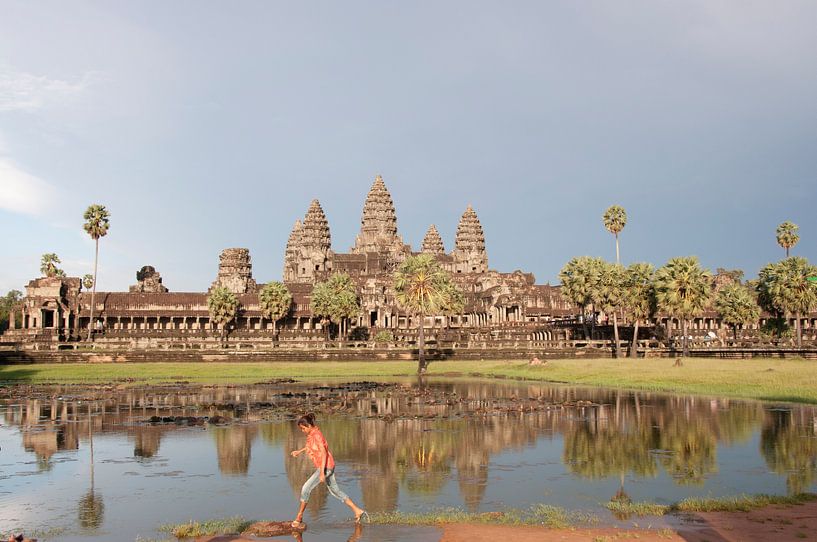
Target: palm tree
(580, 279)
(336, 300)
(91, 507)
(615, 218)
(784, 288)
(423, 288)
(87, 281)
(787, 235)
(275, 301)
(639, 297)
(96, 225)
(48, 266)
(682, 290)
(736, 306)
(223, 307)
(610, 295)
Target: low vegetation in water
(740, 503)
(793, 380)
(193, 529)
(540, 514)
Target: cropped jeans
(331, 484)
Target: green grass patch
(540, 514)
(193, 529)
(792, 380)
(740, 503)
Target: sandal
(359, 519)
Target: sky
(205, 125)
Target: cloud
(21, 91)
(22, 192)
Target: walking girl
(318, 450)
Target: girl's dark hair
(307, 420)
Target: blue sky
(203, 125)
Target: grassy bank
(767, 379)
(741, 503)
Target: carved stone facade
(148, 280)
(235, 272)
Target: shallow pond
(114, 463)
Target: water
(87, 461)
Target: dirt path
(777, 523)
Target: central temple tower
(378, 226)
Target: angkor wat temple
(56, 310)
(502, 310)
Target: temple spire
(378, 225)
(432, 242)
(469, 250)
(315, 230)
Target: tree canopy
(275, 300)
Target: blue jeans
(331, 484)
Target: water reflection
(418, 440)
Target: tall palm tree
(682, 290)
(87, 281)
(787, 235)
(784, 288)
(223, 307)
(639, 297)
(97, 222)
(275, 301)
(336, 299)
(48, 265)
(610, 295)
(736, 306)
(580, 278)
(423, 288)
(615, 218)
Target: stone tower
(432, 242)
(469, 250)
(148, 280)
(292, 254)
(309, 249)
(235, 271)
(378, 229)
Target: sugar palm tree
(784, 288)
(736, 306)
(423, 288)
(97, 222)
(787, 235)
(609, 295)
(615, 218)
(580, 278)
(275, 301)
(336, 300)
(48, 266)
(682, 290)
(223, 307)
(639, 297)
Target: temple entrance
(372, 318)
(48, 318)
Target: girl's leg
(310, 484)
(335, 490)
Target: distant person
(318, 451)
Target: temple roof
(432, 242)
(315, 230)
(470, 237)
(378, 227)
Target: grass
(793, 380)
(193, 529)
(740, 503)
(540, 514)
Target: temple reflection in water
(407, 438)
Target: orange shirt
(316, 447)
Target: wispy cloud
(22, 91)
(22, 192)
